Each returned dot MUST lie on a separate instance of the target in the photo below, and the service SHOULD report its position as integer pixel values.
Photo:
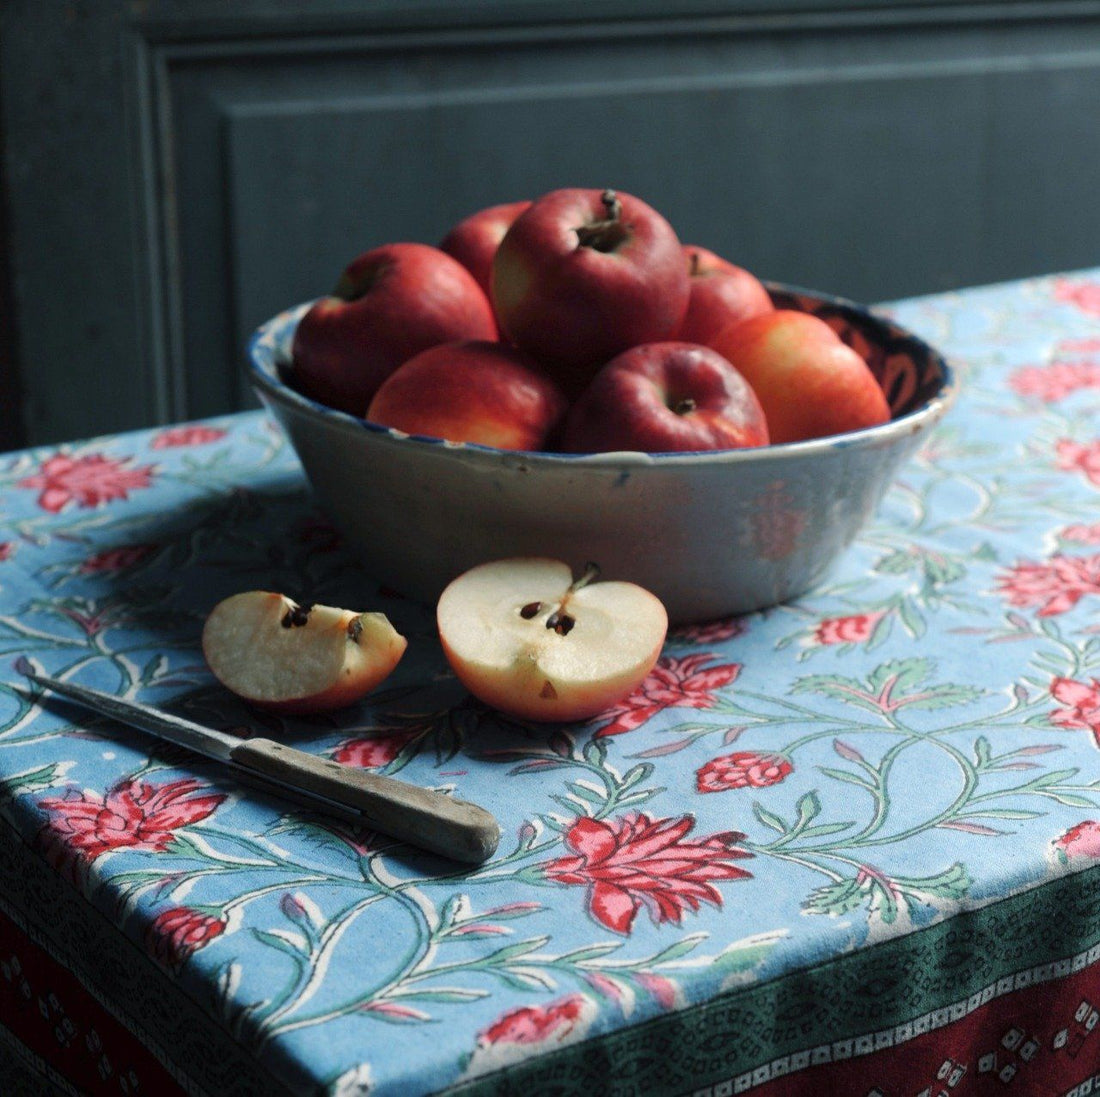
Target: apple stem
(560, 621)
(693, 268)
(609, 233)
(351, 288)
(591, 572)
(684, 406)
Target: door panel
(875, 150)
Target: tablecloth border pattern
(64, 1033)
(994, 941)
(159, 1013)
(655, 1058)
(25, 1073)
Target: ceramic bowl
(711, 534)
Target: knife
(422, 817)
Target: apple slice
(298, 659)
(523, 637)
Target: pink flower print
(515, 1035)
(663, 989)
(1075, 366)
(7, 550)
(742, 769)
(608, 987)
(1055, 586)
(673, 683)
(134, 814)
(536, 1024)
(1085, 295)
(1068, 347)
(92, 616)
(1081, 841)
(1082, 703)
(176, 933)
(711, 632)
(1085, 535)
(193, 434)
(1056, 381)
(116, 559)
(1077, 457)
(637, 861)
(87, 481)
(372, 753)
(854, 629)
(868, 876)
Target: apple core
(530, 641)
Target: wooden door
(178, 170)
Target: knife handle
(419, 816)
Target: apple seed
(296, 616)
(560, 622)
(530, 610)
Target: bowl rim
(264, 372)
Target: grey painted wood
(76, 225)
(199, 165)
(11, 397)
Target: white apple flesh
(282, 656)
(527, 640)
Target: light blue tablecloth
(916, 739)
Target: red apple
(584, 274)
(390, 303)
(524, 637)
(481, 392)
(297, 659)
(475, 239)
(665, 398)
(809, 383)
(720, 294)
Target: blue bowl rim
(264, 371)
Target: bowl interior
(908, 370)
(711, 533)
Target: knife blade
(422, 817)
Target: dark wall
(11, 397)
(179, 170)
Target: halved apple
(279, 655)
(524, 637)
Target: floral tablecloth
(847, 845)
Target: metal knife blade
(422, 817)
(185, 733)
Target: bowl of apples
(565, 379)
